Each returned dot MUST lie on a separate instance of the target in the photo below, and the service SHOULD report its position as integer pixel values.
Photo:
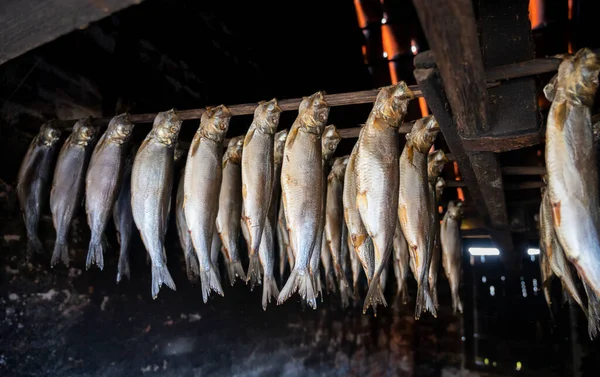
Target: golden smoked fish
(355, 264)
(151, 186)
(329, 142)
(571, 163)
(202, 184)
(69, 183)
(102, 184)
(301, 180)
(230, 208)
(257, 179)
(35, 174)
(283, 236)
(334, 224)
(123, 218)
(435, 164)
(451, 250)
(189, 255)
(276, 208)
(376, 174)
(417, 219)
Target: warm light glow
(413, 47)
(383, 21)
(536, 13)
(393, 74)
(440, 209)
(423, 106)
(459, 191)
(360, 14)
(519, 365)
(456, 171)
(533, 251)
(460, 194)
(385, 55)
(570, 47)
(570, 14)
(388, 41)
(481, 251)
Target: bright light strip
(533, 251)
(484, 251)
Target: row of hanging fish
(283, 192)
(569, 217)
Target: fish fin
(330, 281)
(123, 267)
(361, 201)
(456, 303)
(374, 295)
(318, 285)
(270, 290)
(301, 281)
(434, 296)
(404, 295)
(160, 276)
(235, 269)
(96, 254)
(424, 302)
(253, 275)
(210, 281)
(60, 253)
(289, 142)
(593, 313)
(249, 136)
(34, 246)
(191, 265)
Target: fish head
(440, 185)
(339, 166)
(280, 138)
(578, 77)
(314, 112)
(120, 128)
(423, 134)
(49, 133)
(84, 132)
(266, 116)
(435, 163)
(179, 154)
(214, 123)
(329, 141)
(455, 210)
(166, 128)
(392, 102)
(233, 153)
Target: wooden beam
(27, 24)
(523, 170)
(451, 32)
(503, 143)
(508, 187)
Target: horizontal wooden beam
(508, 186)
(500, 144)
(523, 170)
(27, 24)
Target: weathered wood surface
(27, 24)
(507, 187)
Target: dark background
(182, 54)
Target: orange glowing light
(360, 14)
(456, 171)
(570, 46)
(440, 209)
(461, 195)
(389, 43)
(423, 106)
(393, 74)
(536, 13)
(570, 14)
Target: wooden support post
(452, 34)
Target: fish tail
(34, 246)
(317, 284)
(191, 266)
(123, 266)
(456, 303)
(374, 296)
(282, 263)
(301, 281)
(345, 292)
(270, 290)
(210, 282)
(235, 270)
(60, 253)
(593, 314)
(402, 293)
(253, 275)
(95, 254)
(424, 302)
(434, 296)
(160, 276)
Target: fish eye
(173, 129)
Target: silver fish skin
(301, 180)
(35, 174)
(329, 142)
(416, 213)
(215, 248)
(377, 177)
(230, 208)
(185, 241)
(284, 235)
(401, 263)
(102, 183)
(123, 218)
(334, 224)
(451, 250)
(361, 244)
(257, 178)
(571, 163)
(274, 210)
(355, 265)
(266, 252)
(68, 184)
(202, 185)
(151, 187)
(435, 164)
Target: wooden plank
(27, 24)
(504, 143)
(523, 170)
(452, 34)
(508, 187)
